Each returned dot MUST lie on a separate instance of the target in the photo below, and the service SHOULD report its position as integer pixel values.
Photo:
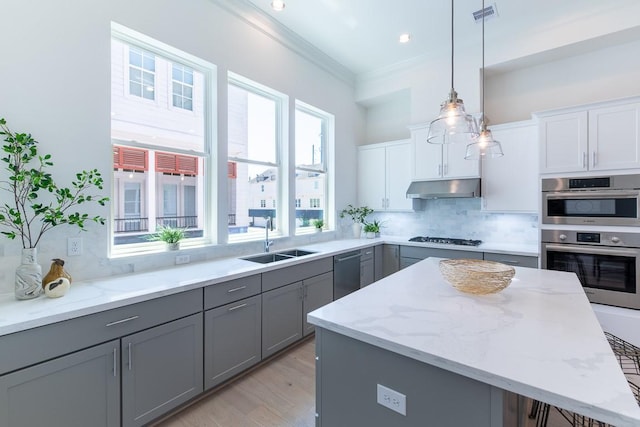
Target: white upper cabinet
(384, 176)
(606, 137)
(614, 137)
(510, 183)
(440, 161)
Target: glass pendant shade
(484, 147)
(453, 124)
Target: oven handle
(592, 250)
(591, 194)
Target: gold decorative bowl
(475, 276)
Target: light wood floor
(279, 394)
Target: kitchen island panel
(351, 370)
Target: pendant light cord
(452, 52)
(482, 124)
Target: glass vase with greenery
(37, 203)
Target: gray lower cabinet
(78, 390)
(515, 260)
(387, 260)
(232, 339)
(367, 267)
(285, 309)
(161, 369)
(317, 291)
(281, 317)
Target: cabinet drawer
(422, 253)
(233, 290)
(35, 345)
(276, 278)
(515, 260)
(366, 254)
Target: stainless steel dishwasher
(346, 273)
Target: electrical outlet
(182, 259)
(392, 399)
(74, 246)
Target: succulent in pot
(318, 224)
(171, 236)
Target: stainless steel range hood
(448, 188)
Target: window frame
(326, 169)
(207, 155)
(281, 140)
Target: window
(255, 115)
(182, 84)
(142, 76)
(159, 153)
(313, 134)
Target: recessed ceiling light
(277, 5)
(404, 38)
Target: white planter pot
(357, 230)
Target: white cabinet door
(510, 183)
(371, 177)
(427, 158)
(398, 176)
(614, 137)
(384, 176)
(563, 143)
(455, 165)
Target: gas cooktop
(446, 240)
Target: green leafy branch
(26, 215)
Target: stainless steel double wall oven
(604, 255)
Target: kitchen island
(459, 359)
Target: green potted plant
(171, 236)
(358, 216)
(318, 224)
(36, 203)
(372, 229)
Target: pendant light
(453, 124)
(485, 145)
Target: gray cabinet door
(387, 260)
(232, 339)
(367, 273)
(161, 369)
(281, 318)
(318, 291)
(78, 390)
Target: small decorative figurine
(57, 281)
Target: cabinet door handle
(236, 289)
(383, 203)
(584, 160)
(117, 322)
(237, 307)
(115, 361)
(368, 253)
(439, 169)
(446, 169)
(593, 155)
(129, 356)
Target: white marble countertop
(538, 338)
(92, 296)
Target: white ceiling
(362, 35)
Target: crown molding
(263, 22)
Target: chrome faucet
(267, 242)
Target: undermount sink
(278, 256)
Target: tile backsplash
(461, 218)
